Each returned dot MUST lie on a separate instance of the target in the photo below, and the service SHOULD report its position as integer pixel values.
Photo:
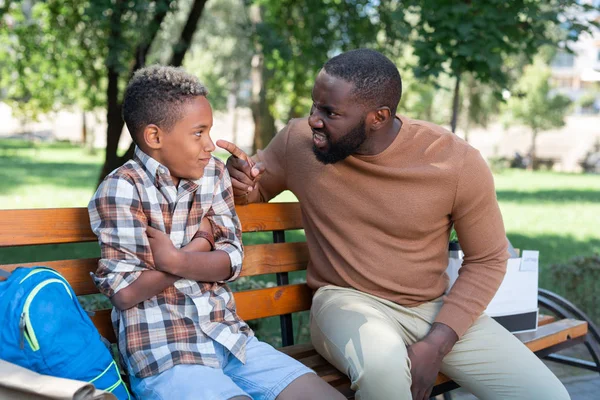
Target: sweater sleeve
(480, 229)
(273, 157)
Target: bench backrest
(71, 225)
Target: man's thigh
(356, 334)
(187, 381)
(267, 371)
(492, 363)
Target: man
(379, 195)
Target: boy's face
(187, 148)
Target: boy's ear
(152, 136)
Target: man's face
(336, 119)
(186, 148)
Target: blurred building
(578, 75)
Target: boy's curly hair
(155, 95)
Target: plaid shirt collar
(160, 176)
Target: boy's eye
(199, 133)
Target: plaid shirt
(179, 325)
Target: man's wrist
(442, 337)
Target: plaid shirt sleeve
(117, 218)
(226, 224)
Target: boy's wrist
(174, 262)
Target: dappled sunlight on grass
(48, 176)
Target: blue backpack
(44, 328)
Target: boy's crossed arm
(194, 264)
(152, 282)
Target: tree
(535, 105)
(37, 82)
(294, 38)
(479, 104)
(98, 43)
(477, 36)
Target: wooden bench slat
(72, 225)
(263, 217)
(553, 333)
(545, 319)
(259, 259)
(279, 300)
(45, 226)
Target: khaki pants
(366, 337)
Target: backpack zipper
(37, 270)
(22, 331)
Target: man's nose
(314, 120)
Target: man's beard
(344, 147)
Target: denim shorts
(266, 373)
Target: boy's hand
(165, 254)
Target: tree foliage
(535, 105)
(98, 43)
(298, 37)
(477, 37)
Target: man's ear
(152, 136)
(381, 116)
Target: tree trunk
(264, 123)
(115, 121)
(185, 40)
(113, 106)
(232, 98)
(532, 152)
(469, 121)
(455, 104)
(83, 130)
(115, 124)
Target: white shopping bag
(515, 304)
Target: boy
(179, 335)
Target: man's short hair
(155, 95)
(376, 79)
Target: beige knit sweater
(380, 224)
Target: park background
(519, 80)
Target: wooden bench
(52, 226)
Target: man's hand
(426, 359)
(244, 172)
(165, 254)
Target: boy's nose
(210, 146)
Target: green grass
(59, 175)
(557, 214)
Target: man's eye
(331, 114)
(198, 133)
